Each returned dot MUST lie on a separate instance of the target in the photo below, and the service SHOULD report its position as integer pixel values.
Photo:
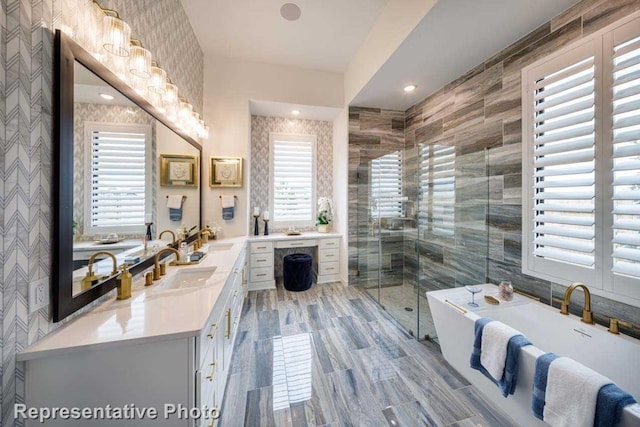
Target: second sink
(186, 278)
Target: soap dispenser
(124, 282)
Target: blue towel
(507, 383)
(540, 383)
(175, 214)
(227, 213)
(611, 401)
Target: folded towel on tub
(496, 352)
(540, 383)
(611, 401)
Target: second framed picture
(225, 172)
(177, 170)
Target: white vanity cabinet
(179, 369)
(262, 253)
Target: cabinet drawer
(262, 260)
(328, 268)
(328, 255)
(261, 274)
(329, 243)
(261, 247)
(296, 243)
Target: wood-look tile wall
(481, 110)
(372, 133)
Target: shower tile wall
(482, 109)
(372, 133)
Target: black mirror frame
(66, 53)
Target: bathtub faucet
(587, 316)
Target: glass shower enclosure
(422, 226)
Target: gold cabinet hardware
(213, 371)
(228, 333)
(614, 323)
(212, 332)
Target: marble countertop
(151, 314)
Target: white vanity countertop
(149, 315)
(303, 236)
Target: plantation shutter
(564, 163)
(626, 158)
(293, 171)
(386, 186)
(118, 174)
(437, 185)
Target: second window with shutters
(292, 161)
(581, 163)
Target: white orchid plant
(325, 211)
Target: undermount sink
(220, 247)
(187, 278)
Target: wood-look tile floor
(331, 356)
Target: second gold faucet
(587, 316)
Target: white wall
(229, 84)
(340, 186)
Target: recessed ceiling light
(295, 112)
(106, 96)
(290, 11)
(410, 88)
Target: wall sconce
(116, 32)
(139, 60)
(158, 80)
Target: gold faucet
(615, 323)
(173, 235)
(156, 265)
(587, 316)
(90, 278)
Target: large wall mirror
(117, 163)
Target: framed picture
(177, 170)
(225, 172)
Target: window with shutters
(581, 164)
(386, 186)
(292, 200)
(118, 171)
(437, 189)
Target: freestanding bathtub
(616, 356)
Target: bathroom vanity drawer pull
(261, 260)
(228, 314)
(261, 274)
(329, 255)
(212, 332)
(329, 268)
(213, 371)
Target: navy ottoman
(298, 272)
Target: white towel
(572, 393)
(228, 201)
(174, 201)
(493, 355)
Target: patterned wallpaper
(260, 128)
(102, 113)
(26, 52)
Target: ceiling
(283, 109)
(326, 37)
(454, 37)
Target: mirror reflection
(120, 206)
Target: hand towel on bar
(174, 203)
(508, 378)
(572, 393)
(611, 401)
(228, 207)
(540, 383)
